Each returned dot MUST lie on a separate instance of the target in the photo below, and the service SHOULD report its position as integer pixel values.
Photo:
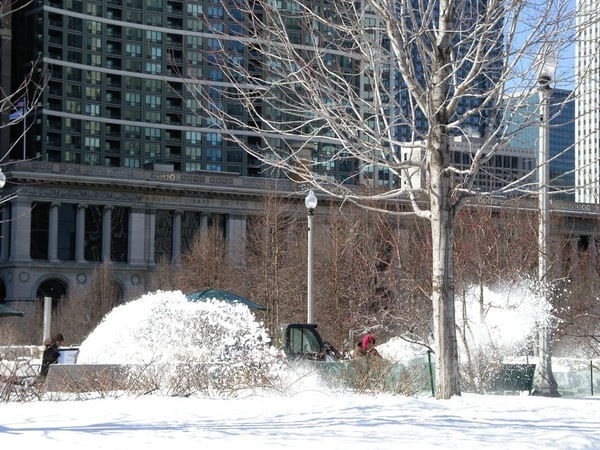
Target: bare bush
(78, 315)
(18, 378)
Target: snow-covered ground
(161, 326)
(315, 420)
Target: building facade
(64, 221)
(115, 75)
(587, 104)
(509, 165)
(561, 136)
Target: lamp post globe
(310, 201)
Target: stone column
(106, 232)
(236, 237)
(53, 232)
(151, 232)
(80, 233)
(203, 222)
(136, 234)
(176, 236)
(20, 230)
(5, 243)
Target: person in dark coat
(51, 352)
(366, 347)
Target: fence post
(47, 316)
(592, 377)
(430, 373)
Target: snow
(313, 419)
(163, 327)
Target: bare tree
(352, 256)
(330, 87)
(275, 256)
(486, 239)
(78, 315)
(206, 264)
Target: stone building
(60, 222)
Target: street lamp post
(311, 203)
(544, 383)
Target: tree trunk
(446, 349)
(442, 213)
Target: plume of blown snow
(505, 317)
(502, 318)
(165, 327)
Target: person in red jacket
(366, 347)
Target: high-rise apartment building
(118, 164)
(525, 110)
(116, 74)
(587, 103)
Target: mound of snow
(164, 327)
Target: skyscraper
(587, 103)
(562, 137)
(116, 76)
(118, 165)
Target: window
(153, 85)
(93, 233)
(93, 77)
(154, 36)
(155, 53)
(133, 50)
(213, 44)
(66, 232)
(163, 232)
(214, 154)
(73, 107)
(40, 220)
(132, 148)
(119, 233)
(92, 128)
(193, 137)
(213, 138)
(153, 134)
(92, 144)
(153, 116)
(133, 132)
(193, 153)
(151, 150)
(94, 60)
(194, 41)
(92, 93)
(214, 12)
(92, 109)
(153, 68)
(94, 44)
(133, 99)
(193, 120)
(153, 101)
(132, 162)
